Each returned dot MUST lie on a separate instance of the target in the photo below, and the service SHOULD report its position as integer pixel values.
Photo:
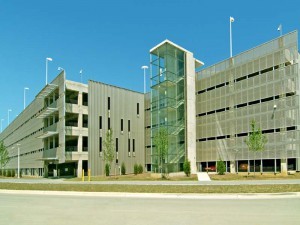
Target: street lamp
(144, 68)
(80, 72)
(60, 68)
(1, 124)
(8, 116)
(47, 59)
(25, 88)
(18, 145)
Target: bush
(8, 173)
(0, 172)
(123, 168)
(135, 169)
(187, 168)
(13, 173)
(221, 168)
(107, 169)
(140, 169)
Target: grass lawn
(251, 176)
(154, 188)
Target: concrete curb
(155, 195)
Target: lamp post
(25, 88)
(80, 72)
(47, 59)
(1, 124)
(8, 116)
(144, 68)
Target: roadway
(65, 208)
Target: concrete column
(80, 124)
(79, 168)
(283, 163)
(190, 112)
(232, 167)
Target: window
(100, 144)
(128, 145)
(133, 145)
(108, 103)
(128, 125)
(121, 124)
(117, 144)
(100, 122)
(138, 108)
(108, 123)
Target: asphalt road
(16, 208)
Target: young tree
(256, 140)
(221, 167)
(160, 141)
(4, 159)
(187, 168)
(108, 151)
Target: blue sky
(110, 40)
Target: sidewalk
(156, 195)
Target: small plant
(123, 168)
(135, 169)
(187, 168)
(8, 173)
(221, 167)
(107, 169)
(140, 169)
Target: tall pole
(144, 68)
(1, 124)
(47, 59)
(8, 116)
(280, 29)
(80, 72)
(25, 88)
(231, 20)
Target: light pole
(47, 59)
(8, 116)
(18, 145)
(231, 20)
(1, 124)
(25, 88)
(80, 72)
(144, 68)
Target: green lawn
(154, 188)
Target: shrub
(8, 173)
(123, 168)
(140, 169)
(187, 168)
(13, 173)
(0, 172)
(135, 169)
(107, 169)
(221, 168)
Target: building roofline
(248, 50)
(114, 86)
